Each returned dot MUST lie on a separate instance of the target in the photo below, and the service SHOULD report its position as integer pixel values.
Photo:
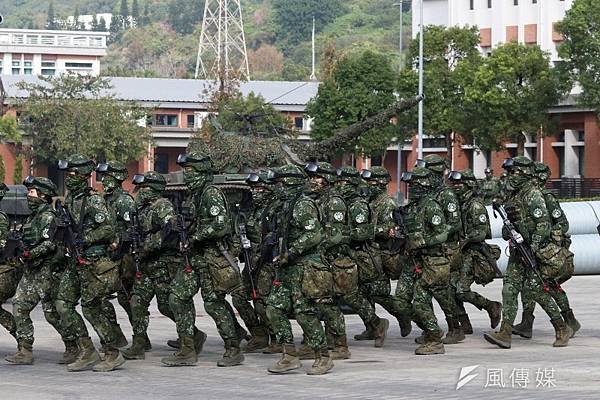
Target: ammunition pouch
(345, 275)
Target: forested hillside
(164, 41)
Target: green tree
(102, 25)
(444, 51)
(75, 25)
(94, 25)
(124, 10)
(18, 171)
(184, 16)
(294, 17)
(9, 129)
(581, 49)
(2, 169)
(361, 85)
(135, 12)
(51, 18)
(508, 94)
(145, 17)
(72, 113)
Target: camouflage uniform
(302, 281)
(210, 271)
(158, 258)
(475, 229)
(93, 278)
(427, 232)
(120, 204)
(527, 210)
(489, 188)
(559, 235)
(9, 274)
(360, 233)
(43, 267)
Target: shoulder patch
(360, 218)
(126, 216)
(100, 217)
(338, 216)
(214, 211)
(482, 218)
(436, 220)
(556, 213)
(452, 207)
(538, 212)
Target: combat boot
(524, 329)
(305, 352)
(274, 347)
(259, 340)
(113, 360)
(148, 344)
(502, 338)
(87, 357)
(173, 343)
(186, 356)
(494, 310)
(432, 345)
(465, 324)
(340, 349)
(233, 355)
(571, 321)
(289, 361)
(199, 340)
(420, 339)
(71, 352)
(136, 351)
(405, 325)
(380, 332)
(563, 333)
(322, 364)
(455, 334)
(367, 334)
(24, 355)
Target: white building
(87, 19)
(45, 52)
(499, 21)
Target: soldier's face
(32, 192)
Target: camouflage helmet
(465, 176)
(77, 163)
(542, 171)
(289, 175)
(321, 169)
(350, 175)
(113, 168)
(43, 185)
(434, 162)
(519, 163)
(420, 175)
(150, 179)
(377, 173)
(197, 160)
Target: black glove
(513, 213)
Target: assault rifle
(274, 244)
(71, 236)
(14, 248)
(517, 241)
(247, 255)
(398, 241)
(135, 237)
(183, 237)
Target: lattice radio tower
(222, 49)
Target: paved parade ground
(531, 369)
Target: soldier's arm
(305, 216)
(540, 220)
(161, 215)
(214, 221)
(361, 228)
(4, 228)
(385, 220)
(47, 245)
(437, 228)
(337, 233)
(480, 229)
(102, 228)
(452, 212)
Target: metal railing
(575, 187)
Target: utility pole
(222, 48)
(400, 142)
(313, 75)
(420, 134)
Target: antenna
(222, 47)
(313, 75)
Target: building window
(471, 5)
(581, 136)
(166, 120)
(190, 120)
(1, 65)
(298, 123)
(560, 154)
(48, 68)
(434, 142)
(161, 163)
(16, 67)
(376, 161)
(581, 164)
(489, 3)
(28, 67)
(78, 65)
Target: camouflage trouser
(211, 275)
(287, 298)
(557, 293)
(262, 285)
(155, 280)
(516, 279)
(380, 292)
(9, 279)
(127, 275)
(37, 285)
(333, 318)
(432, 282)
(93, 283)
(461, 281)
(405, 289)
